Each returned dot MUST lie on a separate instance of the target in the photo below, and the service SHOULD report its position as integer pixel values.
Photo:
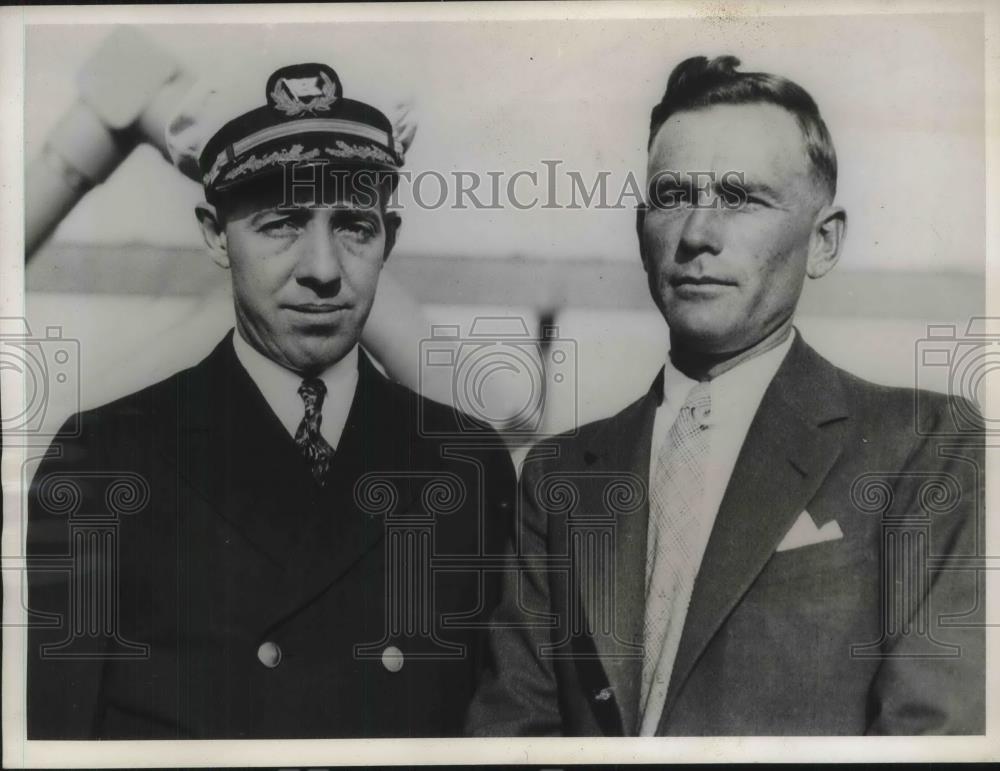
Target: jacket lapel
(237, 455)
(378, 439)
(790, 447)
(232, 449)
(623, 445)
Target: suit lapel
(235, 452)
(790, 447)
(378, 438)
(623, 445)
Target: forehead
(760, 140)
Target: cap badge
(302, 90)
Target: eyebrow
(340, 212)
(685, 182)
(278, 210)
(339, 208)
(370, 215)
(756, 187)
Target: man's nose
(702, 231)
(320, 260)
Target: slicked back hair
(697, 83)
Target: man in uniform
(763, 543)
(246, 549)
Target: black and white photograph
(499, 383)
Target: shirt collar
(734, 391)
(280, 388)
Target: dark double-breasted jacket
(190, 579)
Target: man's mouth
(700, 281)
(699, 287)
(317, 309)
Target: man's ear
(214, 233)
(392, 222)
(829, 229)
(640, 220)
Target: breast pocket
(819, 571)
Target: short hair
(697, 83)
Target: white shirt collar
(737, 391)
(736, 396)
(280, 388)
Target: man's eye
(671, 197)
(744, 202)
(753, 200)
(277, 227)
(753, 203)
(358, 228)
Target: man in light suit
(245, 549)
(763, 544)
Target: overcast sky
(903, 97)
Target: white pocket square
(805, 533)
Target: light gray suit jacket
(876, 632)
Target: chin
(318, 359)
(704, 336)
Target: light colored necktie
(674, 547)
(310, 441)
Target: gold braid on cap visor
(310, 125)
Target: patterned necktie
(675, 544)
(308, 438)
